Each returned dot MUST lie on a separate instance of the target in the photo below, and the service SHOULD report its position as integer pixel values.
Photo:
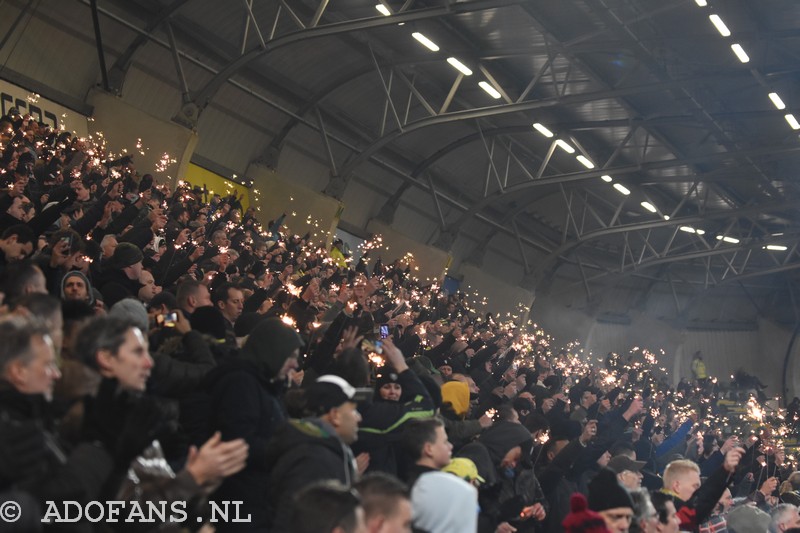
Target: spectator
(629, 472)
(191, 295)
(314, 448)
(608, 498)
(784, 516)
(336, 509)
(387, 503)
(16, 244)
(243, 403)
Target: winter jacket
(382, 422)
(57, 475)
(303, 452)
(242, 405)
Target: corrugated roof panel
(154, 95)
(52, 56)
(226, 141)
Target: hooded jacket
(81, 275)
(517, 488)
(303, 452)
(243, 402)
(241, 405)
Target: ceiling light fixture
(606, 178)
(776, 247)
(740, 53)
(700, 231)
(725, 238)
(650, 207)
(777, 100)
(621, 188)
(427, 43)
(564, 146)
(543, 130)
(383, 10)
(489, 89)
(585, 161)
(701, 3)
(666, 217)
(792, 121)
(687, 229)
(721, 27)
(459, 66)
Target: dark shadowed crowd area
(168, 352)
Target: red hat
(581, 519)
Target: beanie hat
(387, 375)
(581, 519)
(269, 346)
(605, 492)
(746, 519)
(209, 320)
(443, 503)
(457, 393)
(133, 311)
(125, 255)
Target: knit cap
(581, 519)
(443, 503)
(133, 311)
(125, 255)
(605, 492)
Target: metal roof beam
(205, 95)
(119, 70)
(485, 112)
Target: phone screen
(384, 331)
(170, 319)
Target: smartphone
(372, 346)
(167, 321)
(384, 331)
(170, 319)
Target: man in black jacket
(313, 449)
(32, 458)
(244, 402)
(121, 279)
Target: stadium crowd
(159, 344)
